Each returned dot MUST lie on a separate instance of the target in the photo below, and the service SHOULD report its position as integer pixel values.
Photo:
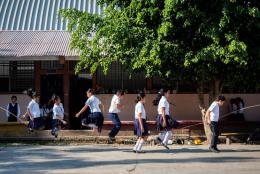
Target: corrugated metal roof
(40, 14)
(35, 44)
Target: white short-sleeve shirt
(58, 110)
(93, 102)
(34, 109)
(139, 108)
(214, 111)
(113, 106)
(163, 103)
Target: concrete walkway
(108, 159)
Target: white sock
(162, 135)
(167, 137)
(139, 147)
(136, 144)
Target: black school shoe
(164, 145)
(111, 140)
(215, 150)
(141, 151)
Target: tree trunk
(204, 121)
(215, 91)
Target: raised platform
(187, 129)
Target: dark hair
(13, 97)
(221, 98)
(32, 93)
(140, 96)
(240, 100)
(54, 98)
(159, 96)
(120, 92)
(90, 90)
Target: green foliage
(200, 40)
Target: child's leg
(137, 143)
(140, 145)
(162, 135)
(167, 136)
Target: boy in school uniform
(13, 108)
(114, 109)
(212, 118)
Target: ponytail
(159, 96)
(90, 90)
(140, 96)
(32, 93)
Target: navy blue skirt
(159, 123)
(137, 128)
(56, 123)
(94, 118)
(36, 123)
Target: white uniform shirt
(214, 111)
(113, 106)
(93, 102)
(58, 110)
(34, 109)
(18, 110)
(139, 108)
(163, 103)
(45, 112)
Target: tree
(213, 43)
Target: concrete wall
(186, 105)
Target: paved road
(107, 159)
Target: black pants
(215, 133)
(12, 118)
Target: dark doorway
(77, 97)
(51, 84)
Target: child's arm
(84, 108)
(163, 116)
(60, 118)
(140, 121)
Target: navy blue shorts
(137, 128)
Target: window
(51, 65)
(16, 76)
(4, 76)
(118, 78)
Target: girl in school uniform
(95, 117)
(58, 116)
(164, 121)
(33, 111)
(140, 126)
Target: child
(140, 126)
(58, 116)
(114, 109)
(13, 108)
(212, 118)
(164, 121)
(95, 117)
(33, 110)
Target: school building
(35, 53)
